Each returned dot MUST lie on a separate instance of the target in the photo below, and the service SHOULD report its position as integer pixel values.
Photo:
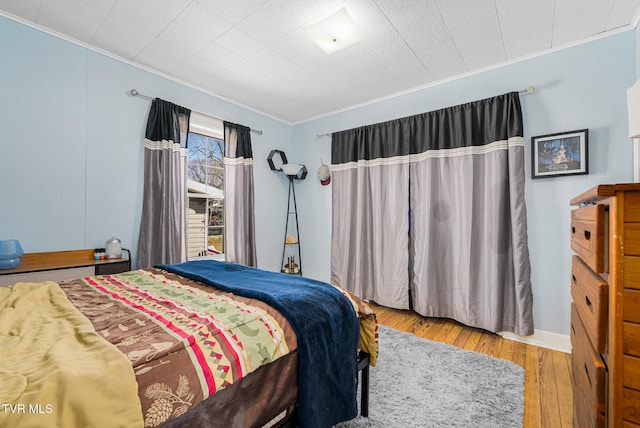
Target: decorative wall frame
(565, 153)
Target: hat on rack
(324, 174)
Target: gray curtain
(239, 214)
(468, 238)
(370, 223)
(467, 246)
(163, 223)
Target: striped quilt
(185, 341)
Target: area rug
(421, 383)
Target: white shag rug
(421, 383)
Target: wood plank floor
(548, 400)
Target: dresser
(62, 265)
(605, 312)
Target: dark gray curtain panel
(163, 223)
(239, 213)
(370, 215)
(456, 225)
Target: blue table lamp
(10, 252)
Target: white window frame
(210, 127)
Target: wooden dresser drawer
(589, 372)
(590, 295)
(588, 235)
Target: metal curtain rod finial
(135, 93)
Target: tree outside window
(205, 172)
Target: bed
(202, 343)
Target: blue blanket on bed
(325, 324)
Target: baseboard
(543, 338)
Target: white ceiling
(254, 52)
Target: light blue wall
(71, 145)
(579, 87)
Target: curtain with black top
(164, 207)
(239, 213)
(466, 248)
(470, 258)
(370, 223)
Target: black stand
(292, 191)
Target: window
(205, 184)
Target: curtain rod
(528, 90)
(135, 93)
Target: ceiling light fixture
(334, 32)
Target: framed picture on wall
(566, 153)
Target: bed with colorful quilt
(197, 344)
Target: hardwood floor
(548, 399)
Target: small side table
(62, 265)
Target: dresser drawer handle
(573, 230)
(575, 280)
(589, 305)
(587, 235)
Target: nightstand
(63, 265)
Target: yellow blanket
(55, 371)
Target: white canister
(113, 249)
